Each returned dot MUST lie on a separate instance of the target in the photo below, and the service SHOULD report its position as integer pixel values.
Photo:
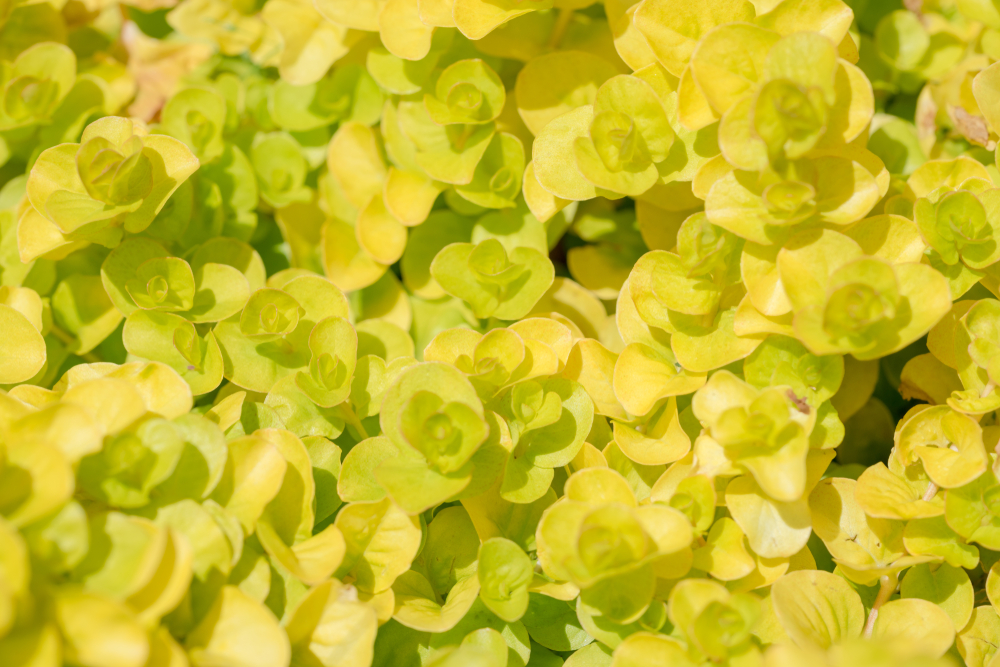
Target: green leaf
(817, 608)
(504, 574)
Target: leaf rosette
(442, 434)
(787, 109)
(115, 180)
(466, 92)
(844, 301)
(599, 538)
(701, 608)
(784, 127)
(503, 357)
(504, 284)
(297, 323)
(43, 100)
(34, 85)
(196, 116)
(613, 146)
(958, 221)
(768, 208)
(233, 26)
(549, 419)
(693, 295)
(766, 431)
(947, 443)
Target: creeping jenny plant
(499, 333)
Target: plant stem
(559, 29)
(988, 389)
(70, 341)
(887, 586)
(352, 420)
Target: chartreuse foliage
(499, 333)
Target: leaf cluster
(499, 333)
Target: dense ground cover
(489, 333)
